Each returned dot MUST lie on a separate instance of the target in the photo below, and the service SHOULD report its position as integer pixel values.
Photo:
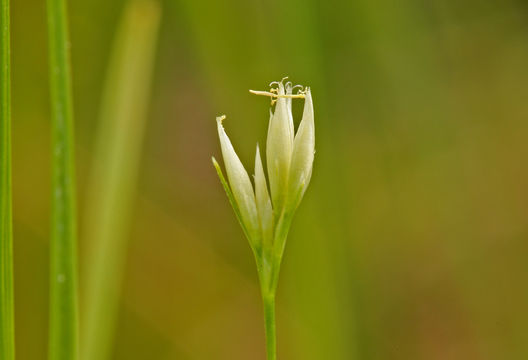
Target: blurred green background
(411, 242)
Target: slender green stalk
(7, 334)
(63, 323)
(269, 278)
(269, 325)
(116, 163)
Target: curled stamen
(298, 86)
(277, 83)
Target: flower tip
(220, 118)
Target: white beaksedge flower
(266, 219)
(289, 158)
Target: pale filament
(273, 95)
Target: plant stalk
(268, 300)
(116, 162)
(7, 331)
(268, 265)
(63, 323)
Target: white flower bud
(289, 161)
(266, 220)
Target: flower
(265, 215)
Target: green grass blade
(63, 335)
(7, 336)
(116, 164)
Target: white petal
(303, 152)
(264, 208)
(288, 89)
(240, 183)
(279, 147)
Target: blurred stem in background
(7, 336)
(63, 323)
(113, 178)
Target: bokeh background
(411, 242)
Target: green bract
(266, 219)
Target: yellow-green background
(411, 242)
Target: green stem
(279, 242)
(269, 324)
(7, 336)
(268, 265)
(116, 164)
(63, 333)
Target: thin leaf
(63, 323)
(7, 337)
(113, 176)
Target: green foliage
(114, 171)
(63, 322)
(7, 337)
